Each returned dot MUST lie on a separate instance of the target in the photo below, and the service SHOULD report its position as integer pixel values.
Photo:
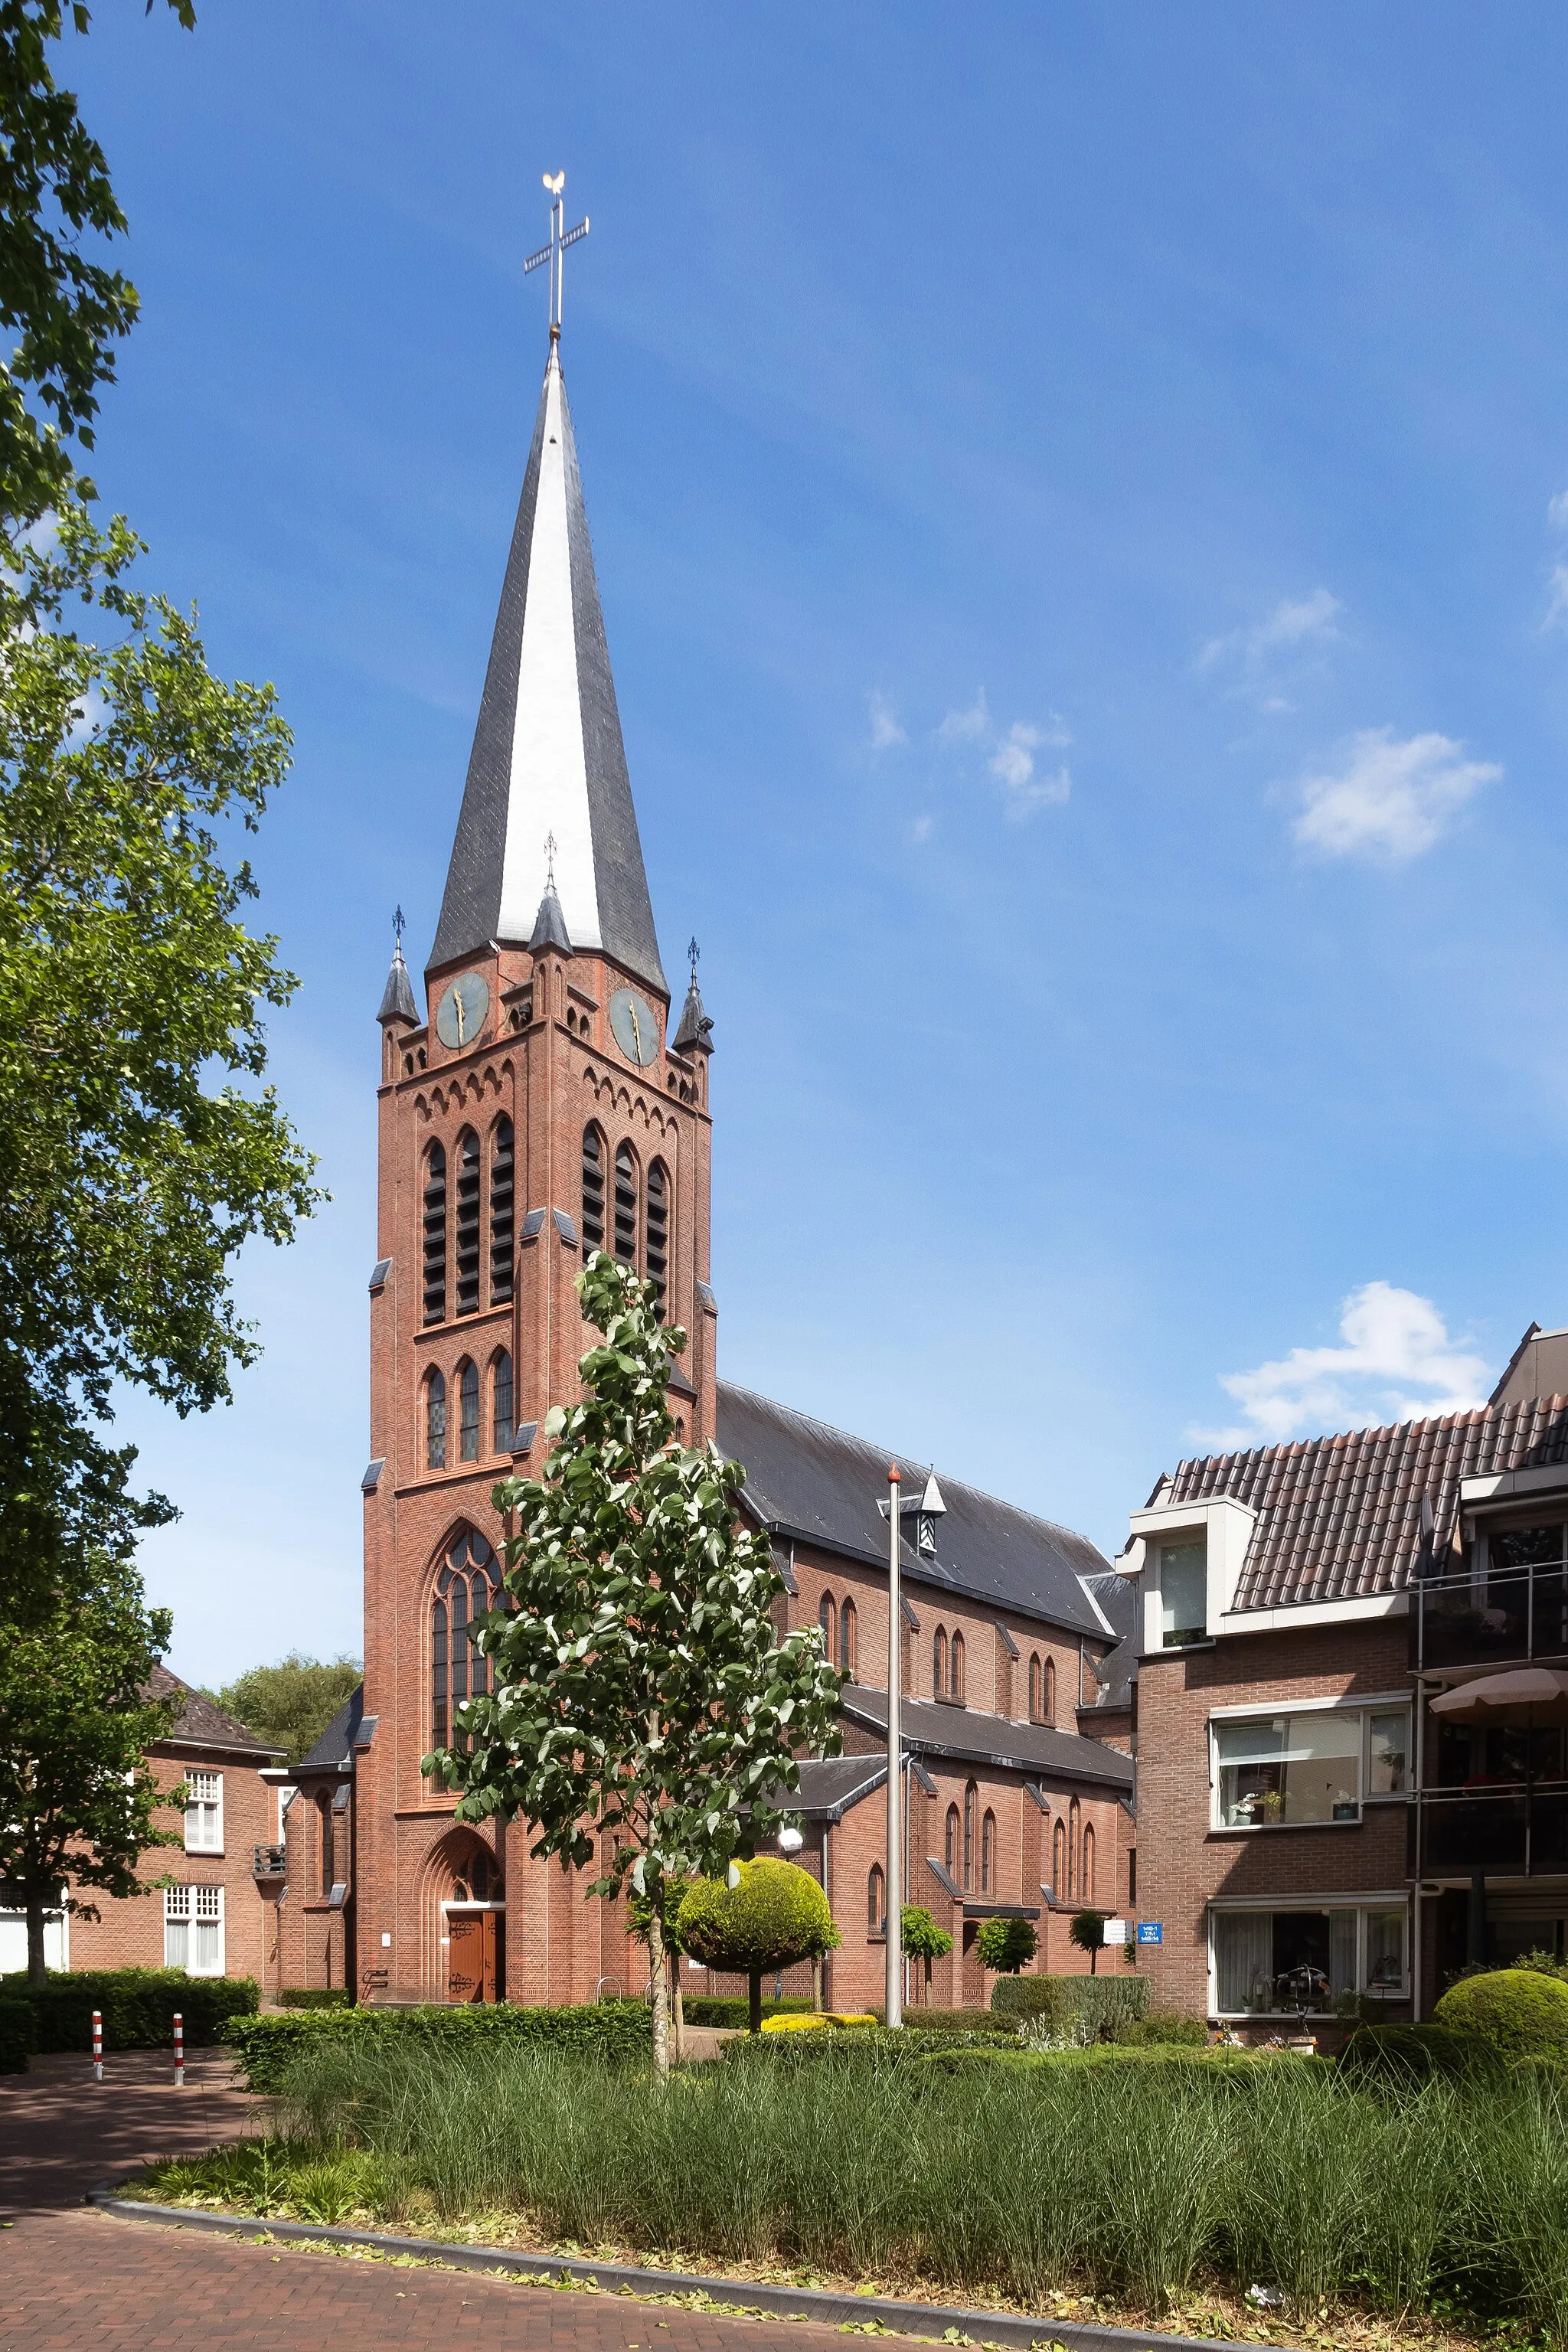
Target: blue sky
(1073, 495)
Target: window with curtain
(950, 1851)
(627, 1205)
(970, 1801)
(1264, 1961)
(827, 1617)
(435, 1213)
(503, 1422)
(467, 1254)
(468, 1412)
(847, 1637)
(988, 1852)
(656, 1232)
(204, 1812)
(592, 1190)
(1088, 1861)
(1060, 1862)
(938, 1662)
(192, 1929)
(434, 1421)
(465, 1587)
(504, 1215)
(875, 1900)
(1286, 1768)
(955, 1668)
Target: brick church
(548, 1104)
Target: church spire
(398, 997)
(696, 1029)
(548, 757)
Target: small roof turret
(398, 997)
(696, 1030)
(550, 925)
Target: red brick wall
(129, 1934)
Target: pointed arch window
(468, 1223)
(848, 1632)
(656, 1231)
(950, 1855)
(955, 1669)
(1050, 1715)
(592, 1190)
(1088, 1861)
(971, 1804)
(503, 1156)
(435, 1421)
(1060, 1862)
(938, 1662)
(503, 1410)
(468, 1412)
(434, 1235)
(877, 1900)
(1074, 1811)
(827, 1617)
(1037, 1688)
(988, 1852)
(627, 1205)
(465, 1586)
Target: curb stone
(935, 2323)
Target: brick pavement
(73, 2280)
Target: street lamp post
(894, 1881)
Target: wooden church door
(473, 1955)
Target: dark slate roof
(963, 1732)
(817, 1485)
(1117, 1602)
(200, 1724)
(471, 907)
(1339, 1519)
(696, 1029)
(548, 925)
(829, 1785)
(398, 997)
(335, 1747)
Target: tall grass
(1138, 2182)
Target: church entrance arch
(466, 1904)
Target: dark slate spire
(550, 924)
(398, 997)
(547, 756)
(696, 1029)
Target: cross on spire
(397, 928)
(693, 951)
(550, 861)
(554, 253)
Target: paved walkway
(74, 2280)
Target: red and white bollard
(98, 2046)
(179, 2051)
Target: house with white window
(1353, 1708)
(218, 1915)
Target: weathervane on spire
(554, 253)
(397, 928)
(693, 951)
(550, 861)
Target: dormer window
(1184, 1592)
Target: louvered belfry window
(468, 1250)
(627, 1205)
(436, 1234)
(464, 1590)
(656, 1259)
(502, 1212)
(504, 1419)
(592, 1190)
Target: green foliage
(77, 1798)
(644, 1707)
(1165, 2029)
(1006, 1946)
(776, 1915)
(268, 2048)
(1097, 2001)
(1516, 2010)
(138, 2006)
(316, 1997)
(1403, 2054)
(290, 1704)
(1087, 1930)
(733, 2010)
(18, 2034)
(923, 1939)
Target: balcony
(1505, 1618)
(1513, 1832)
(269, 1861)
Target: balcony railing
(1514, 1832)
(1502, 1619)
(269, 1861)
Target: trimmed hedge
(1517, 2012)
(316, 1997)
(19, 2027)
(138, 2006)
(1403, 2054)
(1093, 2001)
(267, 2047)
(721, 2009)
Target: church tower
(544, 1108)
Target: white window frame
(1363, 1907)
(204, 1812)
(1378, 1703)
(185, 1910)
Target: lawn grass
(1140, 2185)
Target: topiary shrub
(732, 2008)
(776, 1915)
(1514, 2010)
(1165, 2031)
(1095, 2003)
(137, 2006)
(18, 2029)
(315, 1997)
(1399, 2055)
(616, 2031)
(1006, 1946)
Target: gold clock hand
(462, 1024)
(636, 1030)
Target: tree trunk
(1094, 1959)
(658, 1986)
(677, 2007)
(817, 1982)
(36, 1973)
(755, 2011)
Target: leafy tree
(775, 1915)
(646, 1712)
(68, 310)
(923, 1939)
(290, 1704)
(1006, 1946)
(1087, 1930)
(77, 1798)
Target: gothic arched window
(938, 1662)
(955, 1669)
(827, 1617)
(1088, 1861)
(1037, 1694)
(627, 1205)
(434, 1235)
(465, 1588)
(503, 1156)
(324, 1825)
(875, 1900)
(988, 1854)
(503, 1410)
(592, 1190)
(847, 1632)
(950, 1854)
(971, 1805)
(656, 1228)
(434, 1421)
(1060, 1862)
(467, 1254)
(1073, 1877)
(1050, 1690)
(468, 1412)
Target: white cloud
(887, 733)
(1397, 1363)
(1390, 800)
(1258, 660)
(971, 726)
(1014, 761)
(922, 828)
(1557, 511)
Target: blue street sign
(1149, 1931)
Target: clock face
(461, 1015)
(634, 1027)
